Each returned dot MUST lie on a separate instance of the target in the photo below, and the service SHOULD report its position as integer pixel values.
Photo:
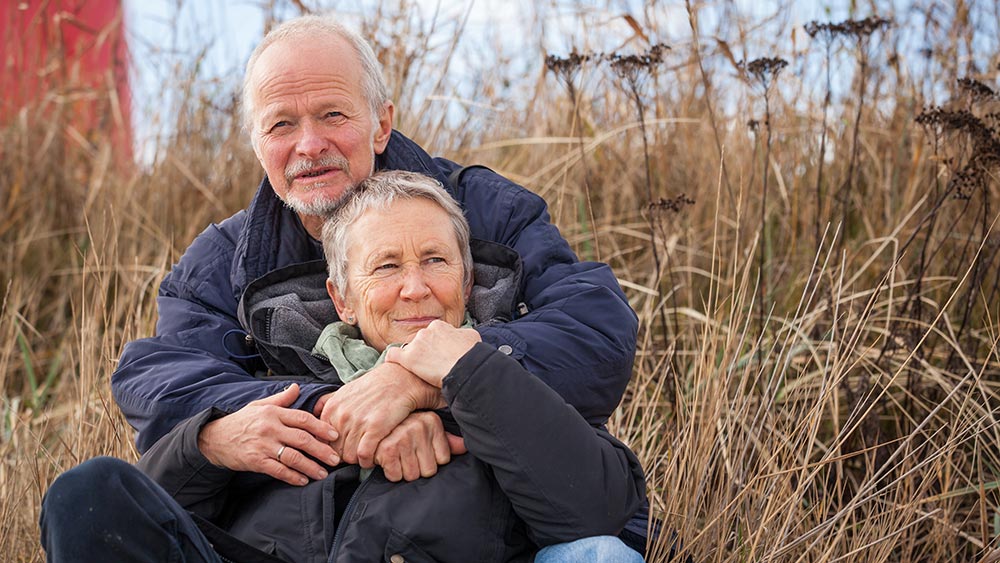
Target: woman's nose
(414, 285)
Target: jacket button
(397, 558)
(505, 349)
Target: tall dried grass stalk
(859, 423)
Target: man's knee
(87, 493)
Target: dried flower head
(867, 26)
(976, 90)
(855, 28)
(569, 64)
(675, 205)
(765, 68)
(631, 66)
(974, 171)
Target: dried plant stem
(578, 125)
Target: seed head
(976, 90)
(675, 205)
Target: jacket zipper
(345, 518)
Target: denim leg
(602, 549)
(107, 510)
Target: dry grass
(817, 378)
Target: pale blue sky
(165, 34)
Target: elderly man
(320, 121)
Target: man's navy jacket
(575, 331)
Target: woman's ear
(345, 313)
(468, 290)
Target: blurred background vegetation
(802, 213)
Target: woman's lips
(417, 320)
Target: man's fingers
(411, 465)
(392, 469)
(456, 444)
(282, 472)
(301, 419)
(285, 398)
(366, 450)
(430, 459)
(300, 464)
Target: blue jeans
(107, 510)
(600, 549)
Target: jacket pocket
(399, 549)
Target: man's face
(313, 129)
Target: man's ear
(255, 143)
(384, 128)
(339, 303)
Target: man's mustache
(330, 161)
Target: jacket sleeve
(187, 368)
(579, 332)
(565, 478)
(178, 466)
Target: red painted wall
(67, 59)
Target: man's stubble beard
(321, 204)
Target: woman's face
(404, 270)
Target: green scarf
(341, 344)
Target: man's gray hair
(379, 191)
(308, 28)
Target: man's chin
(317, 204)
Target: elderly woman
(538, 484)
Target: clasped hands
(373, 420)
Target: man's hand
(416, 448)
(250, 439)
(367, 409)
(434, 351)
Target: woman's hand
(434, 351)
(416, 448)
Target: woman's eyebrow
(383, 254)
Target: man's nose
(414, 285)
(311, 143)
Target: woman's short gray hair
(308, 28)
(379, 191)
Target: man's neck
(313, 225)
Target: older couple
(538, 479)
(260, 443)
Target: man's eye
(436, 260)
(385, 267)
(333, 114)
(279, 125)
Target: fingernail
(334, 460)
(322, 474)
(303, 481)
(334, 435)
